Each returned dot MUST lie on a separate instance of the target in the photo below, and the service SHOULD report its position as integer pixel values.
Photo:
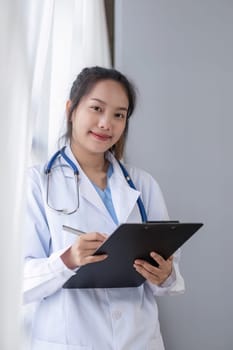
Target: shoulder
(36, 171)
(36, 176)
(150, 192)
(139, 175)
(144, 181)
(141, 178)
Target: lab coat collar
(123, 196)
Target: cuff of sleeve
(57, 265)
(169, 281)
(173, 285)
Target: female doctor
(95, 201)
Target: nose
(104, 122)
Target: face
(100, 118)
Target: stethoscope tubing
(65, 157)
(139, 200)
(62, 153)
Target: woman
(98, 111)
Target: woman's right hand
(80, 253)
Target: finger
(88, 245)
(158, 258)
(87, 252)
(142, 264)
(93, 236)
(95, 258)
(146, 274)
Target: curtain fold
(80, 39)
(93, 34)
(40, 25)
(20, 25)
(14, 101)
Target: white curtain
(80, 39)
(40, 25)
(18, 42)
(70, 36)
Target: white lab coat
(89, 319)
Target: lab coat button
(116, 315)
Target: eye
(120, 115)
(96, 108)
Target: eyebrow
(101, 101)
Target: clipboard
(128, 242)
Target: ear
(68, 108)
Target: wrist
(67, 259)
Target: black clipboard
(128, 242)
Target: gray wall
(179, 53)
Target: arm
(44, 271)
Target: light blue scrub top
(106, 196)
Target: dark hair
(83, 84)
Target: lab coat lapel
(88, 192)
(123, 196)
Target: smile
(102, 137)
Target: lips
(101, 137)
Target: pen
(73, 230)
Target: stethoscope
(48, 171)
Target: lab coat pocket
(45, 345)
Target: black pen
(73, 230)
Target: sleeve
(44, 272)
(156, 210)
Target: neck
(91, 161)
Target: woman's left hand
(155, 275)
